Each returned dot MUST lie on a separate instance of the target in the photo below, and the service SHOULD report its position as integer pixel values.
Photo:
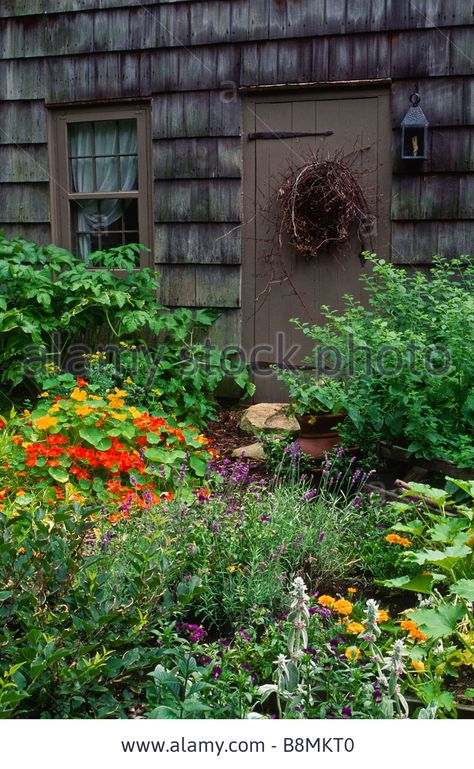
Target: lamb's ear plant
(389, 668)
(287, 688)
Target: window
(101, 180)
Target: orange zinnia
(342, 606)
(395, 539)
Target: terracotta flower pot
(317, 434)
(319, 425)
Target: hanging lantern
(415, 131)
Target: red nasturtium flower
(91, 439)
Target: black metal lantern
(415, 131)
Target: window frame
(60, 177)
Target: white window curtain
(111, 174)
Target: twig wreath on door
(320, 203)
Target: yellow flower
(418, 666)
(352, 590)
(129, 381)
(27, 413)
(84, 410)
(342, 606)
(25, 444)
(354, 628)
(231, 568)
(116, 415)
(326, 600)
(382, 616)
(20, 493)
(44, 395)
(21, 550)
(352, 653)
(78, 394)
(43, 423)
(115, 403)
(136, 414)
(94, 397)
(395, 539)
(54, 408)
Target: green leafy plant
(50, 300)
(406, 359)
(310, 395)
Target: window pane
(103, 156)
(102, 224)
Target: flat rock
(268, 418)
(253, 451)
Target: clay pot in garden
(318, 435)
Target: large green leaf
(464, 588)
(421, 583)
(96, 438)
(444, 558)
(429, 492)
(440, 622)
(59, 474)
(198, 465)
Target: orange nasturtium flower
(78, 395)
(342, 606)
(44, 423)
(352, 653)
(84, 410)
(395, 539)
(382, 616)
(326, 600)
(418, 666)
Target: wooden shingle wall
(190, 59)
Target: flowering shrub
(86, 447)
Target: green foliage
(405, 361)
(51, 300)
(284, 459)
(441, 541)
(309, 395)
(46, 292)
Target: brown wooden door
(287, 285)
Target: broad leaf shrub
(54, 310)
(86, 448)
(405, 359)
(47, 292)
